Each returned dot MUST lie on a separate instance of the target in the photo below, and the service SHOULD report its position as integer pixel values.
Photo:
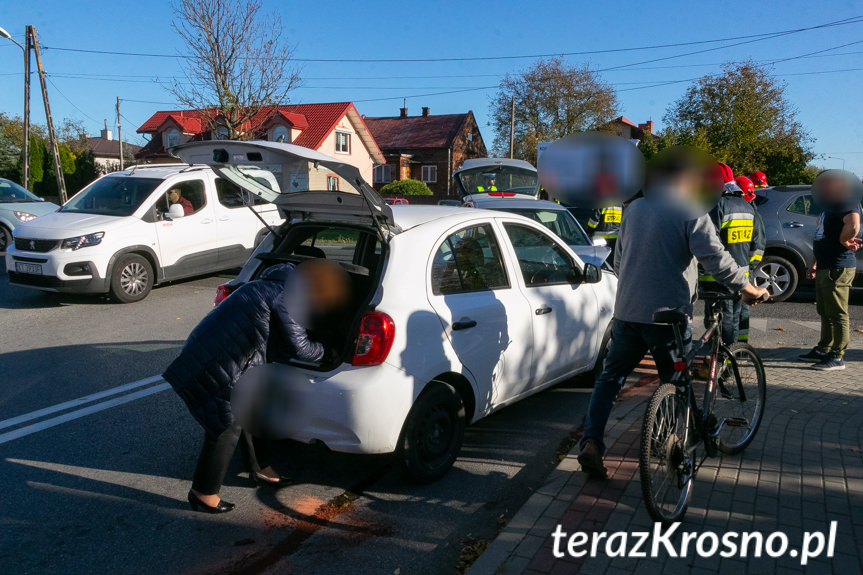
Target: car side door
(799, 217)
(564, 309)
(188, 245)
(485, 316)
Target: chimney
(425, 111)
(403, 113)
(106, 133)
(647, 127)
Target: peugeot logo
(32, 244)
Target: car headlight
(25, 216)
(83, 241)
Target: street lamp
(8, 36)
(835, 158)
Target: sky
(823, 68)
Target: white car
(457, 312)
(121, 235)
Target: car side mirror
(599, 242)
(176, 211)
(592, 275)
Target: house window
(429, 174)
(222, 133)
(383, 174)
(173, 138)
(343, 143)
(333, 183)
(280, 134)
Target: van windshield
(112, 196)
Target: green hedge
(406, 188)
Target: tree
(741, 117)
(552, 100)
(236, 65)
(406, 188)
(86, 170)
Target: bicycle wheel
(666, 470)
(739, 403)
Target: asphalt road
(100, 485)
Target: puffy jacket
(230, 339)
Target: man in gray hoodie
(661, 237)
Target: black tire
(665, 469)
(433, 432)
(778, 275)
(131, 278)
(5, 238)
(736, 437)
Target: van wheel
(5, 238)
(433, 433)
(132, 279)
(778, 276)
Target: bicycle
(674, 424)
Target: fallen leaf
(781, 343)
(780, 328)
(860, 331)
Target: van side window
(468, 260)
(191, 192)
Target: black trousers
(216, 455)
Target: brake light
(502, 194)
(377, 331)
(679, 366)
(222, 292)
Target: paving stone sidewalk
(803, 470)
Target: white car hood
(62, 225)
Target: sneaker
(813, 355)
(591, 461)
(830, 363)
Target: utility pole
(27, 48)
(119, 133)
(512, 130)
(55, 150)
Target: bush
(406, 188)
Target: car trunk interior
(356, 249)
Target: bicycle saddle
(670, 315)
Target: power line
(752, 37)
(71, 102)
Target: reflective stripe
(607, 235)
(738, 221)
(482, 189)
(756, 258)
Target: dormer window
(281, 134)
(173, 138)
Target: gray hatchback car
(790, 219)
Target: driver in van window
(175, 196)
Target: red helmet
(758, 179)
(747, 186)
(727, 174)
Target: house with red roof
(626, 128)
(427, 147)
(336, 129)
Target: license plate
(34, 269)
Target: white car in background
(120, 235)
(456, 312)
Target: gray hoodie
(655, 259)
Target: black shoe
(591, 461)
(813, 355)
(198, 505)
(830, 363)
(259, 479)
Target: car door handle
(463, 324)
(207, 221)
(224, 219)
(795, 225)
(543, 310)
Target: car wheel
(5, 238)
(433, 433)
(778, 276)
(132, 278)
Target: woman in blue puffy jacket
(234, 337)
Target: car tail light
(501, 194)
(222, 292)
(377, 331)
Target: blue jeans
(732, 312)
(629, 342)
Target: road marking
(42, 425)
(77, 402)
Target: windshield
(112, 196)
(498, 179)
(12, 192)
(561, 222)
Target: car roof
(516, 204)
(411, 216)
(786, 189)
(160, 171)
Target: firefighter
(759, 243)
(490, 186)
(759, 180)
(605, 223)
(734, 219)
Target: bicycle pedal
(736, 422)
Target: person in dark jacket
(234, 337)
